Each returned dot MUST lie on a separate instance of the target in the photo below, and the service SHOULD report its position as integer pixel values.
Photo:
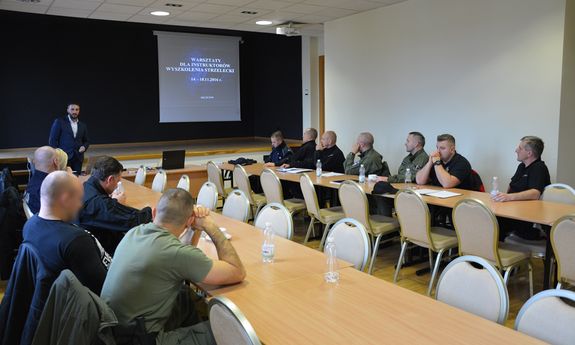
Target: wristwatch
(437, 162)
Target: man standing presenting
(70, 135)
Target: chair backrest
(208, 196)
(272, 186)
(559, 192)
(243, 182)
(354, 202)
(309, 195)
(237, 206)
(414, 217)
(140, 178)
(27, 210)
(547, 317)
(563, 242)
(351, 242)
(477, 230)
(160, 181)
(279, 217)
(229, 325)
(480, 291)
(215, 177)
(184, 183)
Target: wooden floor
(387, 258)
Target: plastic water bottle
(268, 248)
(318, 168)
(331, 273)
(407, 176)
(361, 174)
(494, 186)
(119, 188)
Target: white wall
(488, 72)
(311, 48)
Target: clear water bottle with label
(268, 247)
(407, 176)
(318, 170)
(494, 186)
(361, 173)
(331, 270)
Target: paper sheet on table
(425, 191)
(293, 170)
(331, 174)
(444, 194)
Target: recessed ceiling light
(160, 13)
(264, 22)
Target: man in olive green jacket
(414, 161)
(371, 159)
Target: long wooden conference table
(288, 302)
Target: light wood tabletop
(361, 309)
(535, 211)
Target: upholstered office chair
(326, 216)
(27, 210)
(478, 234)
(351, 242)
(160, 181)
(257, 201)
(279, 217)
(355, 205)
(140, 178)
(229, 325)
(273, 191)
(184, 183)
(208, 196)
(237, 206)
(478, 290)
(547, 316)
(215, 176)
(556, 192)
(563, 243)
(415, 221)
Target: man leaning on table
(528, 183)
(147, 277)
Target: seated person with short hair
(60, 244)
(105, 213)
(528, 183)
(304, 156)
(150, 268)
(281, 152)
(329, 154)
(446, 168)
(368, 157)
(46, 160)
(414, 161)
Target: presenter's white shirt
(74, 125)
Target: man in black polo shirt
(60, 244)
(329, 154)
(528, 183)
(447, 168)
(303, 157)
(104, 213)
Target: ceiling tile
(269, 4)
(41, 7)
(110, 15)
(312, 18)
(229, 19)
(335, 12)
(138, 18)
(358, 5)
(75, 4)
(120, 9)
(162, 4)
(141, 3)
(230, 2)
(304, 8)
(212, 8)
(195, 16)
(69, 12)
(172, 10)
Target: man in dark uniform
(304, 156)
(71, 135)
(528, 183)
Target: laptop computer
(173, 159)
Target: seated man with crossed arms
(147, 277)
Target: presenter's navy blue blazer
(62, 136)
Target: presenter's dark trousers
(76, 164)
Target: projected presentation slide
(199, 77)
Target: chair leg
(558, 286)
(400, 261)
(530, 273)
(374, 254)
(309, 228)
(324, 236)
(507, 273)
(258, 210)
(430, 258)
(434, 273)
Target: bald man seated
(368, 157)
(46, 160)
(151, 266)
(60, 244)
(329, 154)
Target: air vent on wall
(174, 5)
